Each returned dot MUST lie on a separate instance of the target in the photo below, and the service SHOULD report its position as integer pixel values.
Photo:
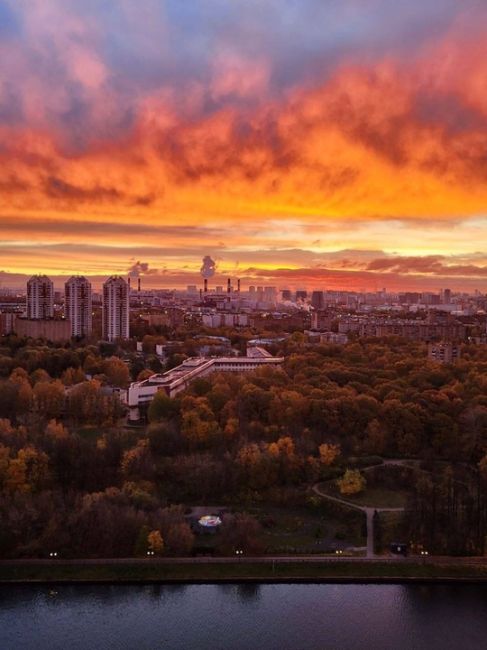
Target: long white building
(40, 298)
(78, 308)
(172, 382)
(115, 312)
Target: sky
(299, 143)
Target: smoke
(208, 267)
(138, 268)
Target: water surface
(234, 617)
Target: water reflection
(241, 616)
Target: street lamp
(150, 553)
(53, 554)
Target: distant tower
(115, 319)
(77, 305)
(40, 297)
(318, 299)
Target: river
(244, 616)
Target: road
(265, 559)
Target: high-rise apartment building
(40, 298)
(115, 320)
(78, 306)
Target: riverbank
(258, 570)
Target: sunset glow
(319, 143)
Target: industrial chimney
(138, 285)
(229, 286)
(206, 285)
(238, 285)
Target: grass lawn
(234, 571)
(380, 498)
(373, 497)
(390, 530)
(304, 530)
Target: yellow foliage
(352, 482)
(155, 542)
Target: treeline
(232, 439)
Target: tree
(352, 482)
(49, 398)
(162, 407)
(117, 372)
(155, 542)
(56, 429)
(138, 461)
(329, 453)
(483, 468)
(240, 532)
(179, 538)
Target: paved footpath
(368, 511)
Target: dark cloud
(429, 264)
(78, 227)
(57, 188)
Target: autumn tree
(329, 453)
(56, 429)
(116, 372)
(155, 542)
(49, 398)
(352, 482)
(138, 461)
(240, 532)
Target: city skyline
(312, 144)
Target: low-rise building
(172, 382)
(49, 329)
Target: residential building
(78, 305)
(115, 311)
(40, 298)
(443, 352)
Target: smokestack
(129, 282)
(238, 285)
(206, 285)
(138, 285)
(229, 285)
(201, 294)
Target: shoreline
(391, 580)
(255, 571)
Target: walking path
(367, 510)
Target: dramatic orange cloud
(242, 149)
